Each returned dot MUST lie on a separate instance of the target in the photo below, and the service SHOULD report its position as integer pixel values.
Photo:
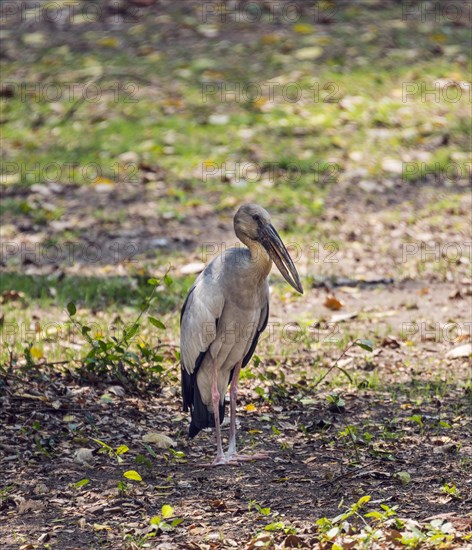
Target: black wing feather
(252, 349)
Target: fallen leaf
(383, 314)
(392, 535)
(117, 390)
(194, 267)
(341, 317)
(369, 186)
(349, 289)
(11, 296)
(332, 302)
(101, 527)
(404, 477)
(268, 39)
(108, 42)
(292, 541)
(343, 363)
(218, 504)
(34, 38)
(460, 351)
(84, 456)
(390, 342)
(445, 449)
(311, 52)
(27, 505)
(303, 28)
(392, 165)
(132, 474)
(36, 352)
(160, 440)
(218, 120)
(44, 537)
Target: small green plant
(123, 487)
(280, 526)
(275, 431)
(451, 490)
(331, 528)
(361, 343)
(351, 433)
(162, 522)
(382, 516)
(336, 402)
(143, 460)
(352, 527)
(253, 505)
(81, 483)
(436, 533)
(112, 356)
(417, 418)
(4, 493)
(275, 526)
(172, 456)
(113, 453)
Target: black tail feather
(201, 417)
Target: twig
(335, 365)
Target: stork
(223, 315)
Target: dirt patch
(311, 467)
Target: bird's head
(252, 224)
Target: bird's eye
(256, 218)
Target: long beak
(276, 249)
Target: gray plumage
(223, 315)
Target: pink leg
(233, 393)
(232, 456)
(215, 396)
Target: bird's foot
(235, 458)
(219, 461)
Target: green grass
(92, 292)
(342, 105)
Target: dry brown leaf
(11, 296)
(390, 342)
(292, 541)
(27, 505)
(456, 295)
(218, 504)
(333, 303)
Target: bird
(225, 312)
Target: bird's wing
(200, 314)
(263, 319)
